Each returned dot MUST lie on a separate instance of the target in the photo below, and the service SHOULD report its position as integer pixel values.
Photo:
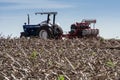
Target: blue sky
(13, 14)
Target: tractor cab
(53, 14)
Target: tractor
(48, 30)
(44, 30)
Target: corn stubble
(69, 59)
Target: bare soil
(69, 59)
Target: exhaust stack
(28, 19)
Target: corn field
(68, 59)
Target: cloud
(23, 4)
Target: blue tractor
(45, 29)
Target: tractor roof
(53, 13)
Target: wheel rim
(43, 34)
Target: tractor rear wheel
(58, 31)
(45, 33)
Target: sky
(13, 14)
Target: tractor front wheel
(22, 35)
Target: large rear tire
(58, 31)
